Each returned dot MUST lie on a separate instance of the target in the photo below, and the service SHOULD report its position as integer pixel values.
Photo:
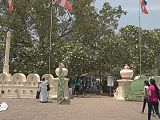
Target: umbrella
(84, 75)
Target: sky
(149, 21)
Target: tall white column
(6, 60)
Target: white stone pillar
(6, 60)
(66, 89)
(55, 88)
(123, 87)
(53, 93)
(55, 83)
(124, 83)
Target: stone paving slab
(89, 108)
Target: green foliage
(131, 43)
(83, 39)
(74, 55)
(61, 84)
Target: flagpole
(140, 40)
(50, 39)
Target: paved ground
(91, 108)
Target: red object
(10, 5)
(64, 3)
(126, 66)
(143, 6)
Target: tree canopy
(84, 39)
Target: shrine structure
(19, 85)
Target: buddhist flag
(64, 3)
(143, 6)
(7, 5)
(10, 5)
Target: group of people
(81, 85)
(42, 92)
(151, 96)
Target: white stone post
(6, 60)
(55, 83)
(123, 86)
(124, 83)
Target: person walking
(38, 90)
(146, 95)
(84, 86)
(77, 85)
(153, 99)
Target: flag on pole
(10, 5)
(7, 5)
(64, 3)
(143, 6)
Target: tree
(106, 41)
(81, 31)
(77, 58)
(149, 41)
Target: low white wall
(20, 86)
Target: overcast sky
(150, 21)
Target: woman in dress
(153, 99)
